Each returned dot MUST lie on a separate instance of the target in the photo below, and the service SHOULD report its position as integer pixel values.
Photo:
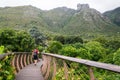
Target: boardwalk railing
(20, 59)
(57, 67)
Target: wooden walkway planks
(30, 72)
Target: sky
(100, 5)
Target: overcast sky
(100, 5)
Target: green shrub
(116, 57)
(69, 50)
(113, 44)
(68, 39)
(6, 70)
(96, 50)
(54, 46)
(78, 45)
(84, 53)
(1, 49)
(14, 40)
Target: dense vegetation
(6, 70)
(100, 49)
(95, 49)
(16, 40)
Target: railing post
(21, 61)
(31, 58)
(66, 70)
(54, 66)
(17, 62)
(91, 73)
(28, 58)
(48, 67)
(13, 63)
(25, 60)
(44, 64)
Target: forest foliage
(100, 49)
(97, 49)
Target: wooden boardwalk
(30, 72)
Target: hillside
(21, 17)
(85, 21)
(57, 18)
(114, 15)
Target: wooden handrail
(110, 67)
(22, 52)
(3, 55)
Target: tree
(113, 44)
(69, 50)
(39, 37)
(54, 46)
(25, 41)
(16, 40)
(96, 50)
(7, 36)
(68, 39)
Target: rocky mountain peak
(82, 7)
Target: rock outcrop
(81, 7)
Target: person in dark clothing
(35, 53)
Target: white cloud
(14, 2)
(100, 5)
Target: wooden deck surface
(30, 72)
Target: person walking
(35, 53)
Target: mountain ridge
(113, 15)
(84, 21)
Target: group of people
(35, 53)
